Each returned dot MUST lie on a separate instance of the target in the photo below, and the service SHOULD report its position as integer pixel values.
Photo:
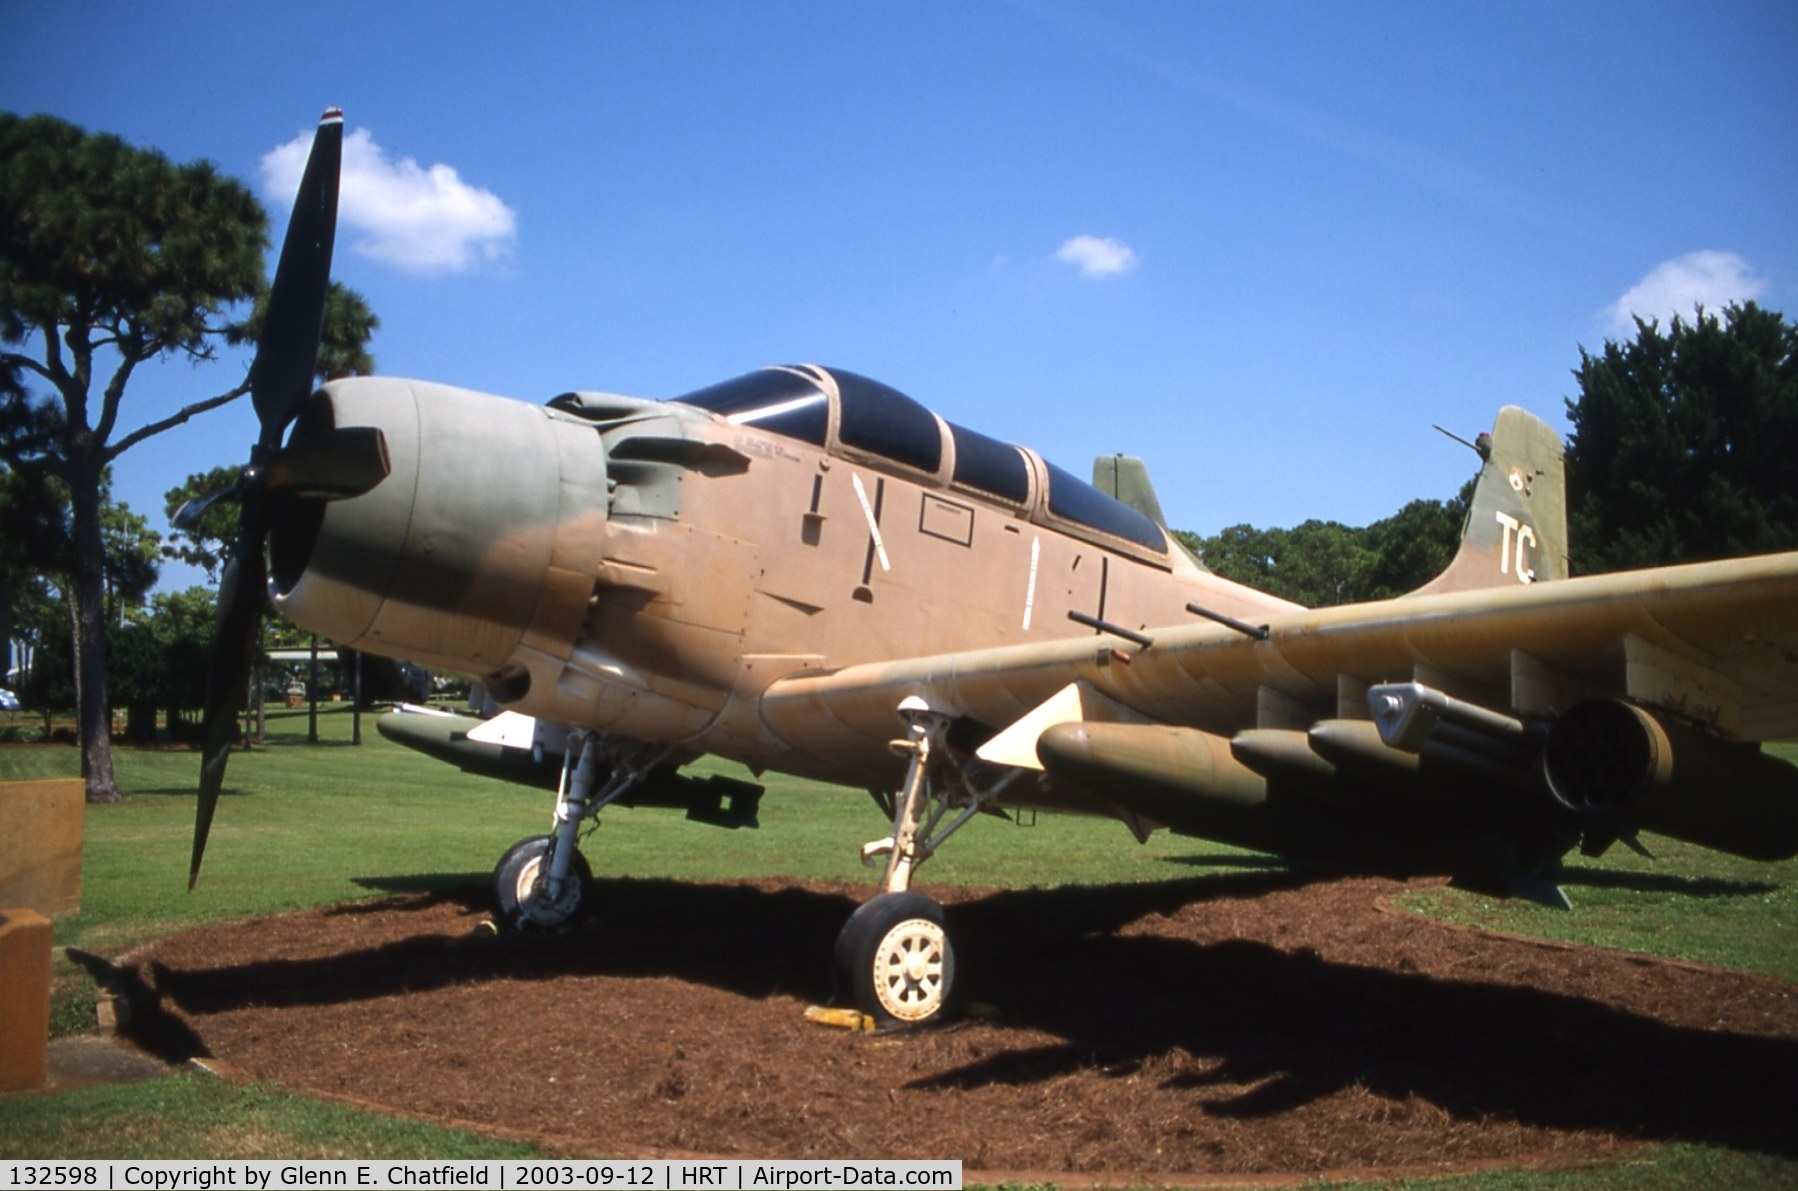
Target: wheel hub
(909, 976)
(533, 896)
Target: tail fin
(1516, 528)
(1125, 478)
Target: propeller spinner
(280, 379)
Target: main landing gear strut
(539, 882)
(894, 956)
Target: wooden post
(40, 844)
(40, 876)
(24, 999)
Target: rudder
(1516, 530)
(1125, 478)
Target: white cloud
(1679, 286)
(420, 219)
(1097, 256)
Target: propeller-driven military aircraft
(806, 571)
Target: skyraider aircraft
(806, 571)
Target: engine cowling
(483, 539)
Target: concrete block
(24, 998)
(40, 845)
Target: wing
(1716, 643)
(1481, 733)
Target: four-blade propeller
(329, 464)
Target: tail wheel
(895, 957)
(520, 899)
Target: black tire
(517, 900)
(894, 957)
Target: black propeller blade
(189, 514)
(327, 465)
(287, 353)
(331, 464)
(280, 378)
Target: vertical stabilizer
(1125, 478)
(1516, 531)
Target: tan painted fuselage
(766, 578)
(650, 569)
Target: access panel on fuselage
(856, 564)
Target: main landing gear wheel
(519, 897)
(895, 957)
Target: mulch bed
(1254, 1025)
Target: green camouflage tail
(1516, 531)
(1125, 477)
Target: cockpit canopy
(835, 409)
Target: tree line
(1684, 443)
(111, 257)
(1683, 448)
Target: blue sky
(1262, 245)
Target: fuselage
(648, 568)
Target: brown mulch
(1245, 1025)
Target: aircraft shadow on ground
(1602, 878)
(183, 792)
(1293, 1027)
(470, 890)
(1288, 1025)
(1248, 861)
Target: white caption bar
(659, 1174)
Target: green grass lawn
(192, 1115)
(1684, 902)
(302, 825)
